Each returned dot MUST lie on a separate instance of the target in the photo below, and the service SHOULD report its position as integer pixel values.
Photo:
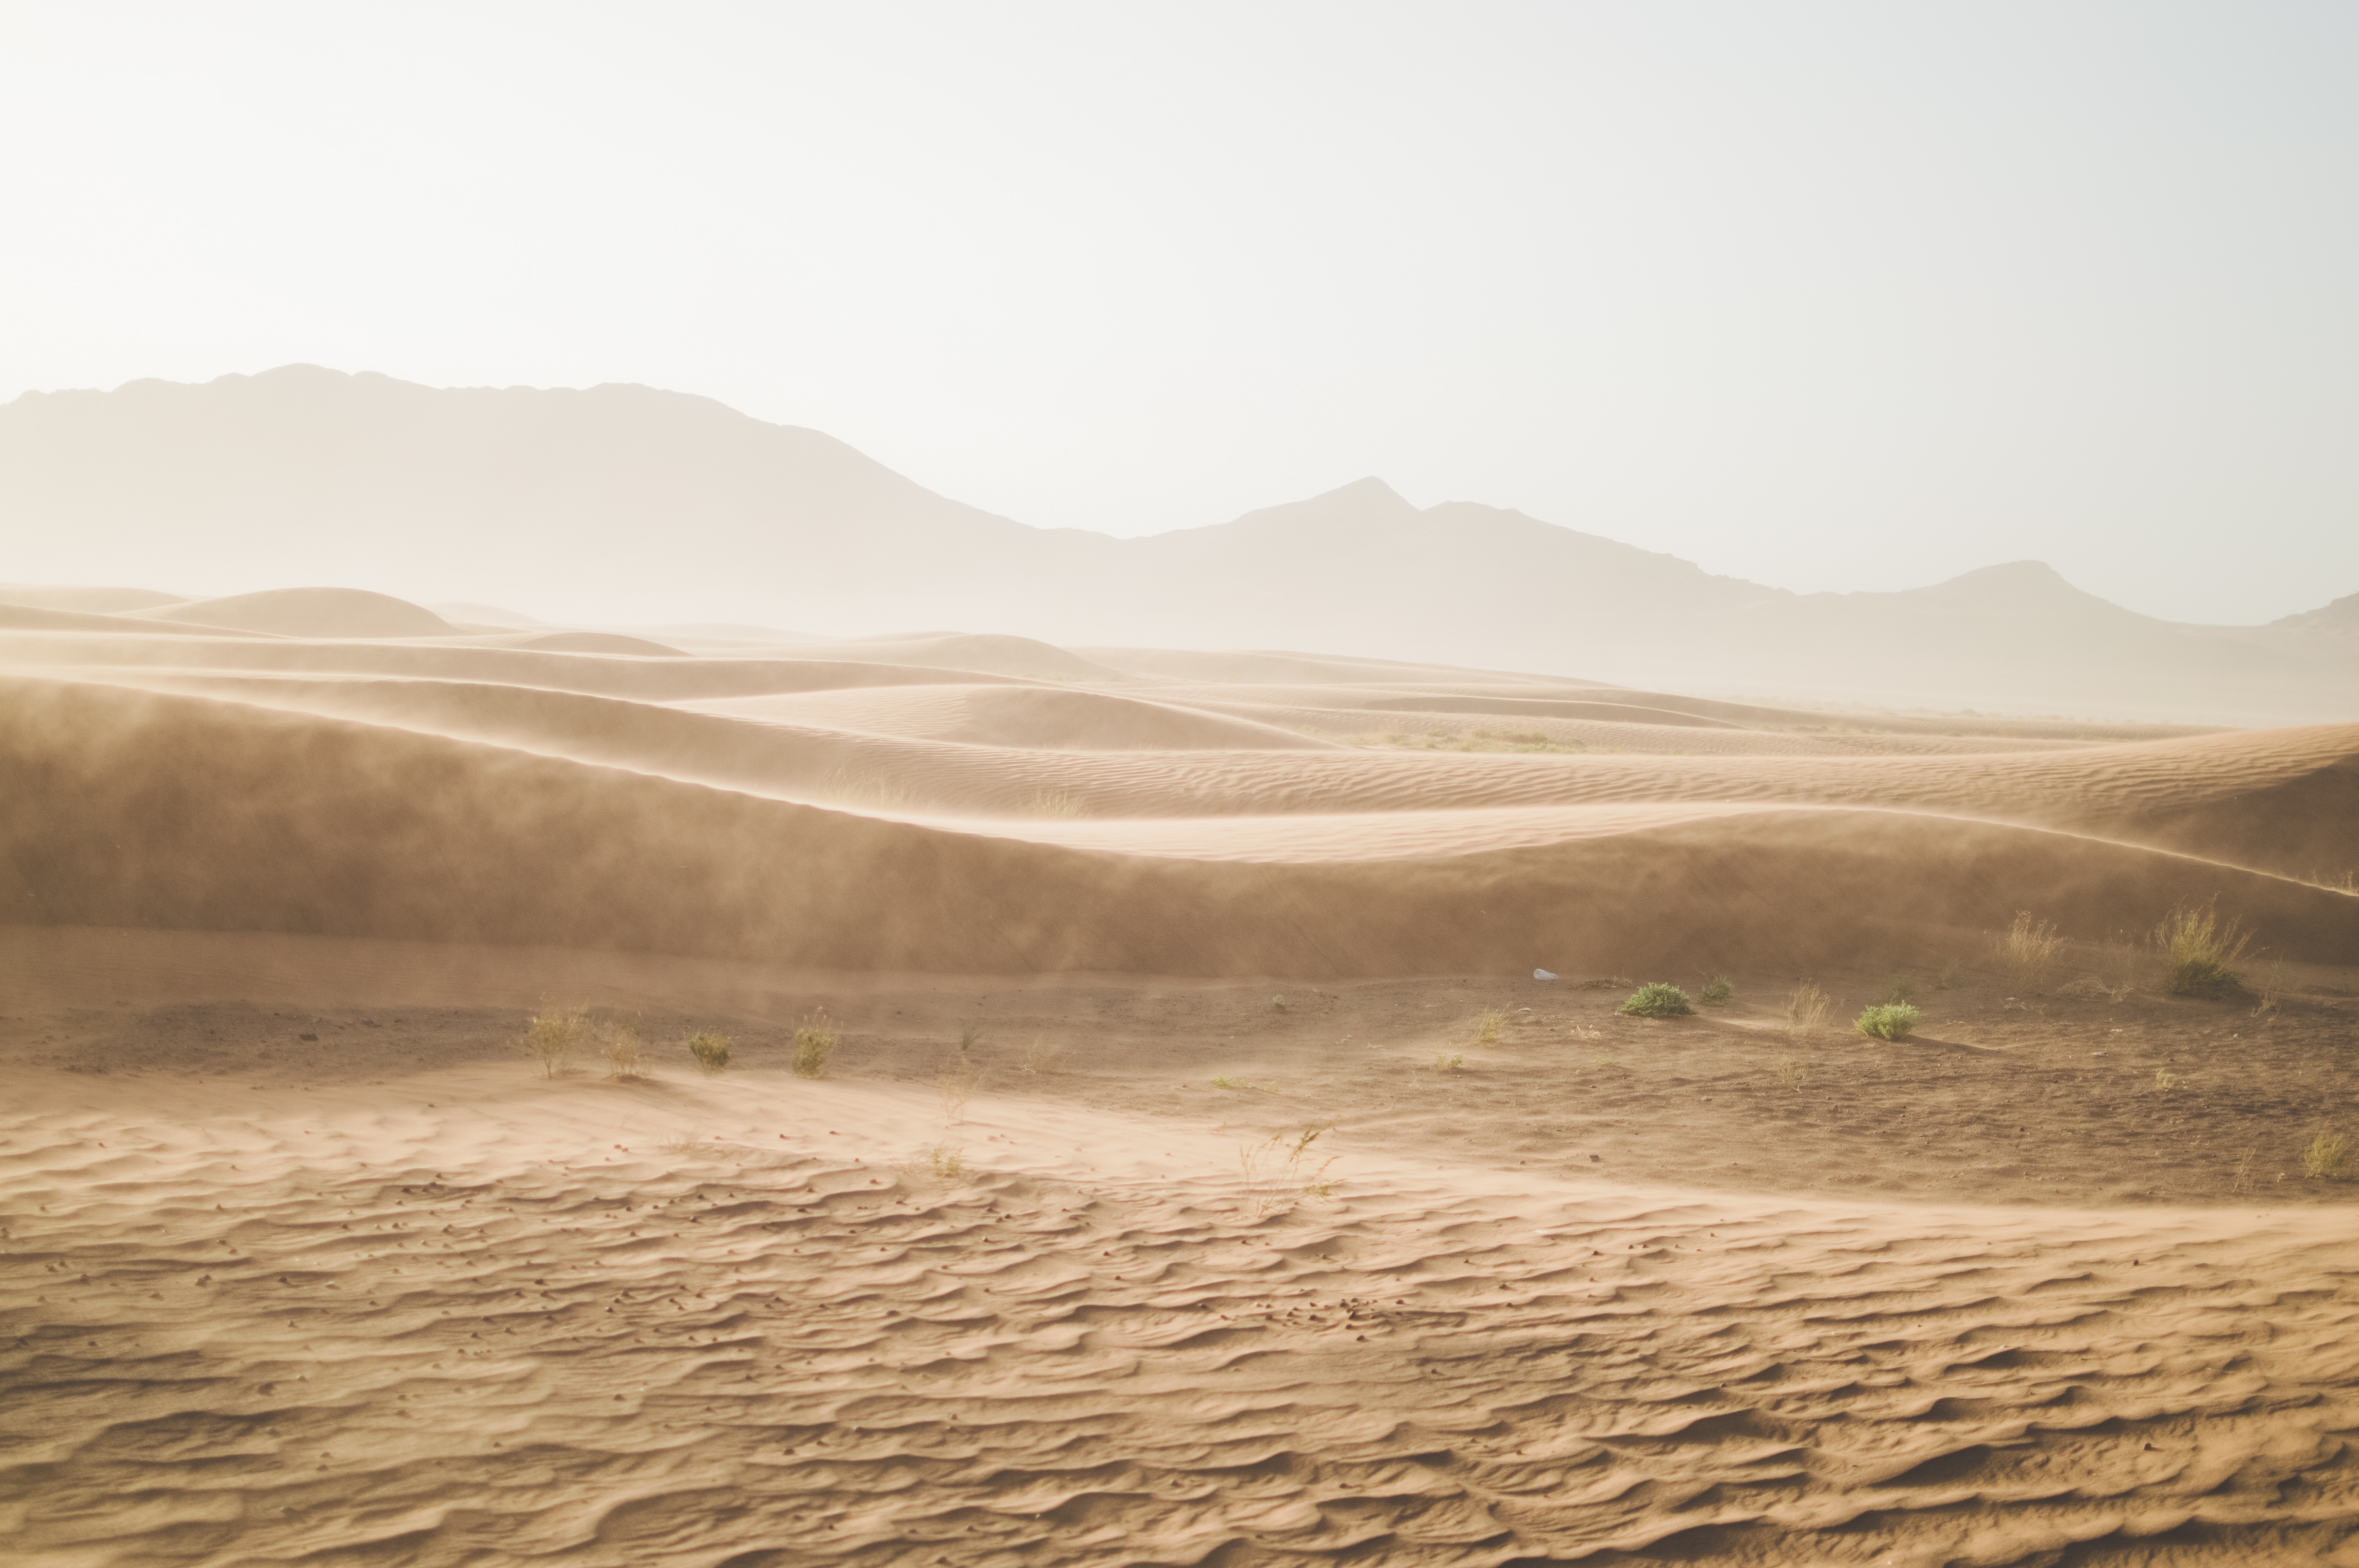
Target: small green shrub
(711, 1051)
(1277, 1004)
(1893, 1021)
(1449, 1061)
(552, 1037)
(815, 1042)
(1657, 1000)
(1899, 989)
(2199, 952)
(1716, 991)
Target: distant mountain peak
(2015, 588)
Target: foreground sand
(388, 1294)
(467, 1320)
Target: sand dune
(307, 612)
(310, 1263)
(284, 820)
(1029, 718)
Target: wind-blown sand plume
(281, 821)
(1028, 718)
(304, 1259)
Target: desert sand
(1205, 1174)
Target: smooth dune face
(891, 816)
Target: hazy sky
(1828, 295)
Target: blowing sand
(305, 1261)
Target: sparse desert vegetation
(618, 1043)
(816, 1038)
(2325, 1157)
(711, 1051)
(1888, 1021)
(1716, 991)
(1487, 1025)
(1658, 999)
(1276, 1168)
(551, 1036)
(2027, 950)
(2200, 951)
(1808, 1008)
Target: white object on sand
(1542, 975)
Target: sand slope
(481, 812)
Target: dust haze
(593, 973)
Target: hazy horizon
(1833, 298)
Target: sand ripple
(364, 1334)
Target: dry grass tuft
(2027, 950)
(2325, 1157)
(2199, 952)
(2272, 990)
(815, 1042)
(1791, 1074)
(618, 1042)
(711, 1051)
(1039, 1056)
(1807, 1008)
(947, 1163)
(955, 1089)
(552, 1037)
(1272, 1169)
(1487, 1024)
(2164, 1079)
(1449, 1061)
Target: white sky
(1828, 296)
